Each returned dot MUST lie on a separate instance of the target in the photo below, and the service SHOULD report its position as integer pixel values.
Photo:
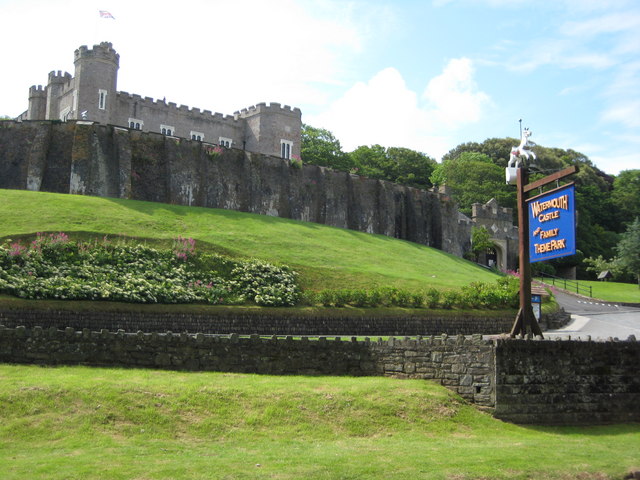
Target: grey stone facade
(91, 94)
(107, 161)
(499, 223)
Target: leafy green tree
(474, 178)
(411, 167)
(320, 147)
(372, 162)
(629, 249)
(600, 264)
(480, 241)
(395, 164)
(626, 194)
(498, 149)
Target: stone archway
(491, 257)
(500, 249)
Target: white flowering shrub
(53, 267)
(266, 284)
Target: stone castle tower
(91, 94)
(499, 223)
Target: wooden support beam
(525, 320)
(551, 178)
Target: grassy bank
(326, 257)
(614, 291)
(83, 423)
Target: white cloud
(454, 94)
(222, 55)
(611, 23)
(614, 163)
(626, 113)
(385, 111)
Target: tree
(474, 178)
(480, 241)
(629, 249)
(411, 167)
(497, 149)
(626, 194)
(395, 164)
(320, 147)
(600, 264)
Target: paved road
(596, 319)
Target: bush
(448, 299)
(266, 284)
(432, 298)
(54, 267)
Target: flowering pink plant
(184, 247)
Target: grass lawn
(615, 292)
(326, 257)
(94, 423)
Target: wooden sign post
(525, 320)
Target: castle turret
(272, 129)
(96, 78)
(56, 86)
(37, 103)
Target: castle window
(285, 149)
(102, 99)
(225, 142)
(136, 124)
(167, 130)
(199, 136)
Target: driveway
(599, 320)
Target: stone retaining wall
(568, 382)
(525, 381)
(464, 364)
(263, 324)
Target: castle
(92, 95)
(82, 136)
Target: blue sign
(552, 224)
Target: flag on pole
(105, 14)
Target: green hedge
(501, 294)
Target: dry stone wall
(464, 364)
(523, 381)
(266, 323)
(102, 160)
(568, 382)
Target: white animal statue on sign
(521, 150)
(517, 153)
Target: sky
(422, 74)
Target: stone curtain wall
(263, 324)
(539, 382)
(568, 382)
(463, 364)
(110, 161)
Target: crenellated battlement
(104, 51)
(263, 107)
(491, 210)
(173, 107)
(59, 77)
(92, 94)
(37, 91)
